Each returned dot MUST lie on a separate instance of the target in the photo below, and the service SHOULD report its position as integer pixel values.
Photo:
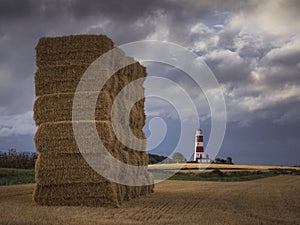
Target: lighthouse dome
(198, 132)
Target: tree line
(26, 160)
(178, 157)
(21, 160)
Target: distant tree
(220, 161)
(229, 160)
(178, 157)
(168, 160)
(12, 152)
(217, 160)
(153, 158)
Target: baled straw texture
(58, 108)
(87, 194)
(81, 172)
(59, 137)
(71, 50)
(62, 79)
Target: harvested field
(274, 200)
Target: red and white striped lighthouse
(199, 147)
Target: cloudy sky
(252, 47)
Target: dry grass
(217, 166)
(272, 200)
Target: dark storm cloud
(126, 11)
(15, 10)
(23, 22)
(121, 14)
(130, 10)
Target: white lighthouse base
(204, 161)
(202, 158)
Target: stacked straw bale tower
(63, 177)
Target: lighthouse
(199, 148)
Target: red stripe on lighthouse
(199, 138)
(199, 149)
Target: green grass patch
(9, 176)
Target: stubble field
(273, 200)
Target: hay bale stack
(63, 177)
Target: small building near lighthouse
(199, 155)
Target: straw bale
(74, 58)
(46, 45)
(137, 117)
(87, 194)
(68, 175)
(58, 137)
(62, 161)
(58, 176)
(72, 168)
(58, 107)
(75, 160)
(71, 50)
(123, 136)
(138, 158)
(65, 78)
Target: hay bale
(54, 161)
(85, 194)
(65, 79)
(71, 50)
(63, 176)
(58, 108)
(58, 137)
(67, 176)
(136, 141)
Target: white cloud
(100, 26)
(287, 54)
(277, 17)
(161, 29)
(20, 124)
(206, 39)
